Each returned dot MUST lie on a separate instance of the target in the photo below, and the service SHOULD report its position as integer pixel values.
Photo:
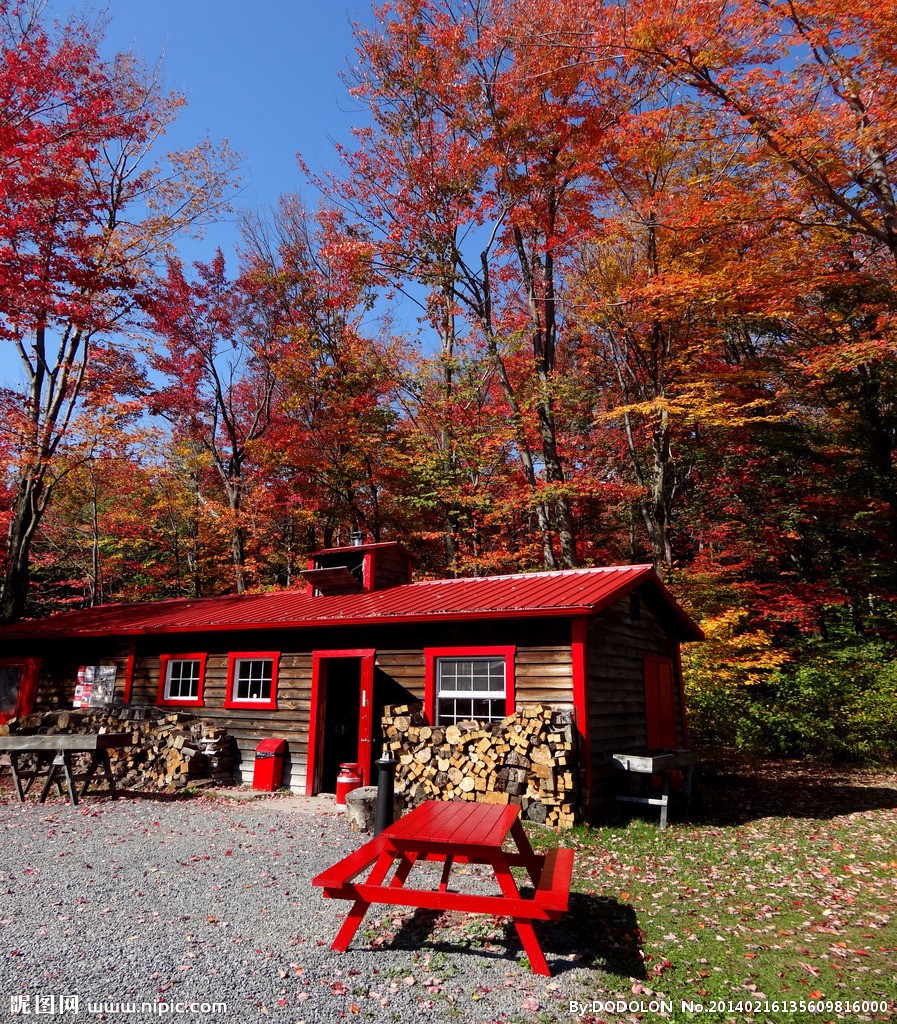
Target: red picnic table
(450, 831)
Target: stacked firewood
(168, 751)
(528, 759)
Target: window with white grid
(253, 678)
(470, 688)
(182, 679)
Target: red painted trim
(129, 671)
(27, 691)
(579, 651)
(368, 573)
(432, 654)
(181, 702)
(232, 660)
(318, 709)
(309, 588)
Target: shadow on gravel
(596, 931)
(737, 792)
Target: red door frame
(314, 762)
(27, 686)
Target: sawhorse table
(658, 763)
(53, 761)
(447, 832)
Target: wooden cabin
(316, 665)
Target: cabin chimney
(357, 569)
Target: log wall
(543, 673)
(618, 642)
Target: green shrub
(840, 704)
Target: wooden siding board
(543, 672)
(617, 646)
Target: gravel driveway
(147, 906)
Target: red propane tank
(349, 778)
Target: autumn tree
(83, 212)
(476, 178)
(220, 348)
(809, 88)
(333, 455)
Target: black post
(386, 789)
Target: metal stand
(386, 788)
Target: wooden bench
(553, 890)
(52, 757)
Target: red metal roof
(563, 593)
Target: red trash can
(349, 778)
(268, 765)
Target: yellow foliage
(731, 654)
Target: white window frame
(167, 667)
(467, 698)
(195, 680)
(236, 663)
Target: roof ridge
(542, 574)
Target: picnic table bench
(53, 761)
(447, 832)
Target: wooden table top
(73, 743)
(455, 823)
(648, 763)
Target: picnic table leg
(664, 799)
(14, 765)
(523, 925)
(69, 781)
(534, 865)
(403, 870)
(89, 774)
(360, 907)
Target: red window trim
(27, 692)
(432, 654)
(181, 702)
(232, 659)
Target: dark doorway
(340, 717)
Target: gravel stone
(209, 900)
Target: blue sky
(263, 74)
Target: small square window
(181, 679)
(470, 688)
(252, 680)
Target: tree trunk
(26, 517)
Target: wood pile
(169, 751)
(528, 759)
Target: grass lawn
(781, 889)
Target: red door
(342, 716)
(661, 704)
(18, 686)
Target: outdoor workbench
(53, 761)
(448, 831)
(660, 763)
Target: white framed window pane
(253, 678)
(470, 688)
(182, 682)
(10, 678)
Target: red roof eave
(298, 623)
(557, 594)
